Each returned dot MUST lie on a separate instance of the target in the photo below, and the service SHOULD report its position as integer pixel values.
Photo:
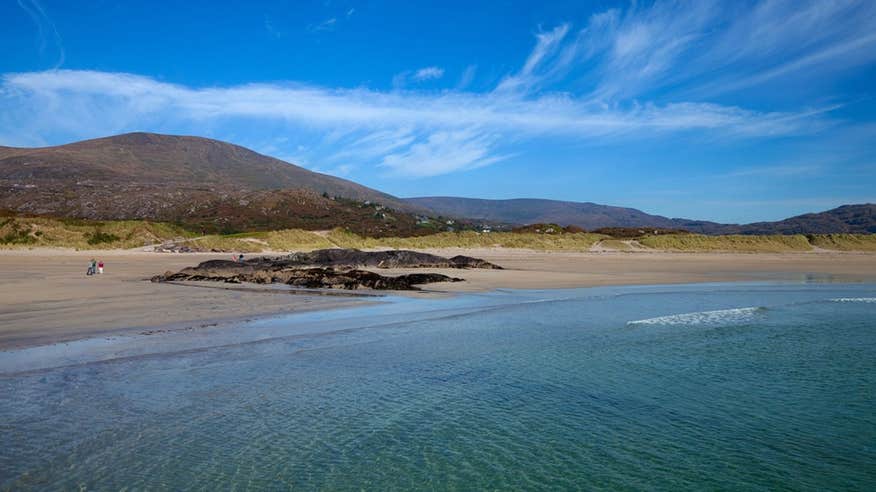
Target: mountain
(845, 219)
(197, 181)
(857, 219)
(532, 211)
(217, 186)
(192, 162)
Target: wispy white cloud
(779, 171)
(830, 54)
(273, 31)
(373, 145)
(698, 48)
(428, 73)
(467, 77)
(645, 44)
(339, 17)
(617, 58)
(140, 97)
(326, 25)
(401, 80)
(546, 45)
(47, 33)
(443, 152)
(399, 124)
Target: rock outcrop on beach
(399, 258)
(313, 278)
(329, 268)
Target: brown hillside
(194, 181)
(165, 160)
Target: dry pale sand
(45, 296)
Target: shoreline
(45, 297)
(303, 328)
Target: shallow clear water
(757, 387)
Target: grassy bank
(33, 232)
(845, 242)
(470, 239)
(284, 240)
(734, 243)
(29, 232)
(298, 240)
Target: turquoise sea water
(732, 386)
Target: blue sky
(728, 111)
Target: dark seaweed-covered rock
(354, 279)
(313, 278)
(329, 268)
(353, 258)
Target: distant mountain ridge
(854, 219)
(534, 210)
(845, 219)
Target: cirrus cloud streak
(639, 72)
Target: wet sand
(556, 270)
(45, 296)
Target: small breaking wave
(855, 299)
(718, 317)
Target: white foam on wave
(855, 299)
(718, 317)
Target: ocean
(744, 386)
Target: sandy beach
(45, 296)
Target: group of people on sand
(95, 267)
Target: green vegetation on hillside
(542, 228)
(636, 232)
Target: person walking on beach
(92, 267)
(100, 267)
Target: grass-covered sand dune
(470, 239)
(32, 232)
(696, 242)
(845, 242)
